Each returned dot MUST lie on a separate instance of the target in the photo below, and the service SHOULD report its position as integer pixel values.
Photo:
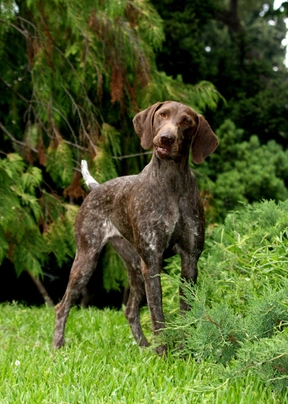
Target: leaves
(244, 171)
(75, 76)
(59, 163)
(22, 215)
(115, 275)
(59, 237)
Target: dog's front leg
(190, 248)
(151, 270)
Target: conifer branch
(77, 146)
(51, 41)
(23, 32)
(128, 156)
(35, 101)
(15, 140)
(80, 118)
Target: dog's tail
(89, 180)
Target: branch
(131, 155)
(23, 32)
(75, 145)
(81, 120)
(15, 140)
(51, 41)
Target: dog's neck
(179, 163)
(168, 172)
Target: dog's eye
(163, 115)
(187, 121)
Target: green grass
(234, 339)
(100, 363)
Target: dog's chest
(148, 217)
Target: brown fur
(146, 217)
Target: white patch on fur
(110, 230)
(151, 238)
(89, 180)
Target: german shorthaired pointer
(146, 217)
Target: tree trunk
(230, 17)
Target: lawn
(100, 363)
(234, 340)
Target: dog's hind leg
(137, 293)
(83, 266)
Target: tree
(21, 221)
(238, 47)
(72, 77)
(242, 171)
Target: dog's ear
(205, 141)
(143, 125)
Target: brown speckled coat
(146, 217)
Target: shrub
(239, 309)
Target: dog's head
(172, 128)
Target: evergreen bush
(239, 314)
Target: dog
(146, 217)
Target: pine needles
(32, 227)
(239, 315)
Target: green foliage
(104, 164)
(83, 57)
(239, 310)
(239, 47)
(59, 237)
(201, 96)
(270, 310)
(268, 358)
(115, 274)
(60, 164)
(244, 171)
(22, 215)
(99, 342)
(255, 238)
(248, 252)
(19, 212)
(72, 81)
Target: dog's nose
(167, 139)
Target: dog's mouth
(163, 152)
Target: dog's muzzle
(165, 143)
